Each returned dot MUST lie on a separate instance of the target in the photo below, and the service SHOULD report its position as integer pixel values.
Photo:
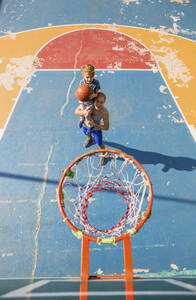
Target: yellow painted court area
(174, 54)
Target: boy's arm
(82, 81)
(95, 92)
(96, 89)
(93, 95)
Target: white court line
(184, 285)
(23, 292)
(102, 294)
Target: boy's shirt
(95, 85)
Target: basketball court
(143, 52)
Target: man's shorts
(97, 135)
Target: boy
(88, 74)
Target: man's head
(99, 101)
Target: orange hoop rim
(123, 155)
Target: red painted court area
(105, 49)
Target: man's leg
(88, 141)
(89, 138)
(97, 134)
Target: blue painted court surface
(42, 138)
(44, 143)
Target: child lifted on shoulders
(88, 74)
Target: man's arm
(82, 113)
(106, 122)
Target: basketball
(83, 92)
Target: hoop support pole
(128, 268)
(128, 275)
(84, 268)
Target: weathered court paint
(105, 49)
(174, 55)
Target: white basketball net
(119, 176)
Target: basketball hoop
(85, 177)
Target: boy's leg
(81, 122)
(89, 130)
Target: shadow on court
(145, 157)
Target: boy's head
(88, 72)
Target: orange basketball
(83, 92)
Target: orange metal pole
(84, 269)
(128, 276)
(128, 268)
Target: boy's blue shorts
(97, 135)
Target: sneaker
(88, 141)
